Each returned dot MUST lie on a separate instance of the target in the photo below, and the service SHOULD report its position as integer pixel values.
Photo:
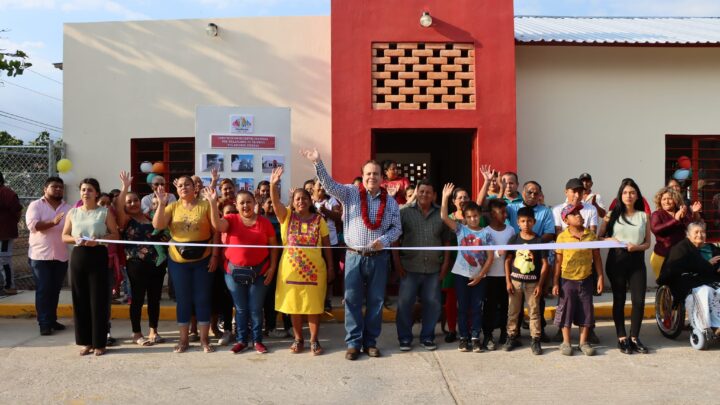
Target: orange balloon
(158, 167)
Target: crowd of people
(253, 253)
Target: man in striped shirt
(371, 222)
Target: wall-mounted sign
(226, 141)
(242, 124)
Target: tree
(13, 63)
(7, 139)
(43, 139)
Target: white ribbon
(606, 244)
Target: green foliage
(14, 63)
(7, 139)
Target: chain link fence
(25, 169)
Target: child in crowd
(357, 181)
(394, 182)
(471, 269)
(573, 281)
(525, 274)
(496, 303)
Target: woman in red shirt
(242, 264)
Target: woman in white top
(89, 273)
(628, 222)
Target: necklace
(364, 208)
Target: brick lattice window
(423, 76)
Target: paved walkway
(40, 370)
(23, 305)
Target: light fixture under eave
(212, 30)
(425, 19)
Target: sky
(36, 27)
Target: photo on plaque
(270, 162)
(212, 161)
(245, 183)
(241, 163)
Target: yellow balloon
(64, 165)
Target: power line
(42, 75)
(26, 120)
(19, 127)
(33, 91)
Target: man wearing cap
(574, 193)
(592, 198)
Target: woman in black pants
(145, 263)
(89, 274)
(625, 267)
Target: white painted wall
(606, 111)
(144, 79)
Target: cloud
(27, 4)
(102, 5)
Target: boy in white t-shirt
(496, 298)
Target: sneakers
(429, 345)
(260, 348)
(452, 336)
(463, 346)
(224, 339)
(511, 343)
(45, 331)
(490, 344)
(586, 349)
(566, 350)
(57, 326)
(477, 346)
(405, 346)
(238, 347)
(535, 346)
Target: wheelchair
(670, 317)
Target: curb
(167, 312)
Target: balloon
(684, 162)
(158, 167)
(64, 166)
(146, 167)
(682, 174)
(68, 178)
(150, 178)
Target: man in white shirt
(146, 202)
(574, 192)
(592, 198)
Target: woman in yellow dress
(304, 272)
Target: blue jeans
(248, 298)
(365, 279)
(428, 286)
(49, 276)
(470, 300)
(193, 284)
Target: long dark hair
(312, 208)
(620, 210)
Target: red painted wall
(356, 24)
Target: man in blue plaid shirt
(371, 222)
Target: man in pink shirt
(48, 254)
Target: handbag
(191, 252)
(246, 274)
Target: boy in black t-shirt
(525, 273)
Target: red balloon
(684, 162)
(158, 167)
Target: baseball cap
(570, 209)
(573, 183)
(585, 176)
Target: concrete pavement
(39, 370)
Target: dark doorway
(442, 155)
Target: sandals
(181, 348)
(100, 352)
(315, 348)
(208, 348)
(143, 341)
(155, 339)
(298, 346)
(86, 350)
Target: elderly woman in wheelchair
(691, 274)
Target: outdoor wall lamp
(425, 19)
(211, 30)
